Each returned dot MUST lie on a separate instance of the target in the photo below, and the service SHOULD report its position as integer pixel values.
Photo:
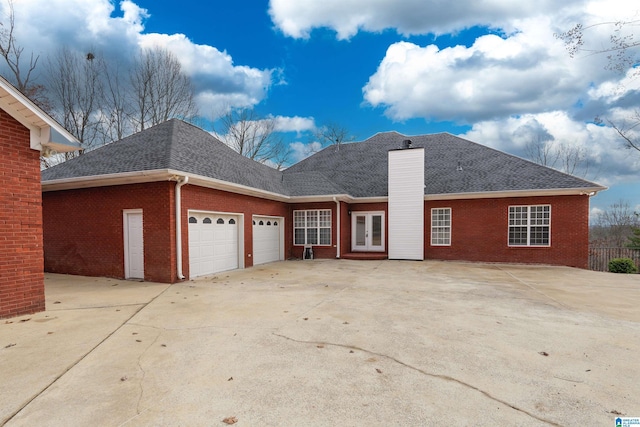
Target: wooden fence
(599, 257)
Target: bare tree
(116, 109)
(160, 89)
(620, 50)
(76, 87)
(622, 55)
(563, 156)
(614, 225)
(20, 73)
(253, 137)
(333, 133)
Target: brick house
(25, 133)
(173, 202)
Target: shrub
(622, 265)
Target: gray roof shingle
(358, 169)
(361, 167)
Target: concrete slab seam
(429, 374)
(38, 394)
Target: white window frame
(529, 223)
(439, 228)
(304, 220)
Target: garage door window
(312, 227)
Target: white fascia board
(590, 191)
(44, 130)
(106, 180)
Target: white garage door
(213, 243)
(267, 239)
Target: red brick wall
(480, 231)
(83, 230)
(367, 207)
(21, 272)
(318, 251)
(206, 199)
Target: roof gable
(46, 133)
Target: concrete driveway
(330, 342)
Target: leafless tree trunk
(333, 134)
(76, 87)
(160, 89)
(253, 137)
(19, 74)
(116, 110)
(614, 225)
(565, 157)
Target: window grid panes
(312, 227)
(441, 227)
(529, 225)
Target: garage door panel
(213, 243)
(267, 239)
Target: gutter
(180, 181)
(338, 227)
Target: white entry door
(268, 239)
(133, 244)
(367, 231)
(213, 243)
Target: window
(219, 221)
(529, 225)
(441, 227)
(312, 227)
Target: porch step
(365, 255)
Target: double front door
(367, 231)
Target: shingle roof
(361, 167)
(358, 169)
(174, 145)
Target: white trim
(125, 224)
(240, 230)
(587, 191)
(450, 227)
(368, 224)
(202, 181)
(528, 245)
(39, 123)
(318, 227)
(281, 237)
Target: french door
(367, 231)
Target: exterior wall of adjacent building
(480, 230)
(84, 230)
(206, 199)
(21, 260)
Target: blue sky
(491, 72)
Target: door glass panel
(376, 230)
(361, 230)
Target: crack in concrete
(533, 288)
(144, 373)
(73, 365)
(423, 372)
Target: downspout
(180, 181)
(338, 225)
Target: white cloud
(609, 163)
(300, 150)
(297, 18)
(526, 72)
(294, 124)
(43, 26)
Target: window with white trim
(312, 227)
(530, 225)
(441, 227)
